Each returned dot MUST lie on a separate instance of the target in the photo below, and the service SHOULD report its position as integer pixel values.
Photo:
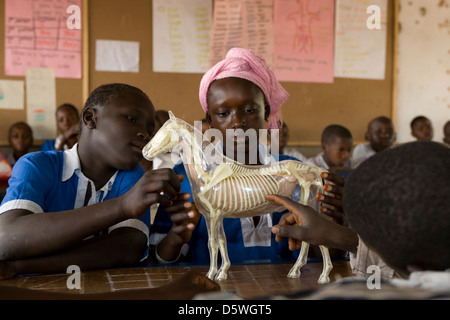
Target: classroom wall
(67, 90)
(423, 65)
(311, 106)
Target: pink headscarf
(243, 63)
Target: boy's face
(21, 139)
(123, 128)
(381, 135)
(337, 153)
(235, 103)
(65, 119)
(422, 130)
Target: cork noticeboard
(311, 106)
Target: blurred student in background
(67, 121)
(421, 128)
(20, 139)
(380, 135)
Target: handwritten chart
(246, 24)
(37, 36)
(303, 46)
(360, 52)
(181, 35)
(41, 102)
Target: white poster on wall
(41, 102)
(181, 31)
(360, 50)
(118, 56)
(11, 94)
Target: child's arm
(184, 216)
(303, 223)
(24, 234)
(121, 247)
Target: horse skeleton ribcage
(245, 188)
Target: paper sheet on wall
(11, 94)
(304, 40)
(120, 56)
(181, 32)
(37, 36)
(360, 52)
(41, 102)
(245, 24)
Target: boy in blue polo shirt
(87, 206)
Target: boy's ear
(89, 118)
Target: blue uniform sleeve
(31, 179)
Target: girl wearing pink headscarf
(241, 94)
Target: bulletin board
(67, 90)
(310, 108)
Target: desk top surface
(247, 281)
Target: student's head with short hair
(397, 202)
(421, 128)
(116, 123)
(20, 138)
(446, 138)
(380, 133)
(337, 142)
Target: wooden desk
(247, 281)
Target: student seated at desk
(337, 144)
(89, 205)
(239, 92)
(68, 123)
(21, 140)
(380, 135)
(392, 211)
(421, 128)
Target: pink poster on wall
(304, 42)
(37, 35)
(245, 24)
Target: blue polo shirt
(245, 241)
(52, 181)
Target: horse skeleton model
(222, 187)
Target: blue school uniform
(245, 242)
(48, 145)
(52, 181)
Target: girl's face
(122, 129)
(65, 119)
(233, 104)
(21, 139)
(336, 154)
